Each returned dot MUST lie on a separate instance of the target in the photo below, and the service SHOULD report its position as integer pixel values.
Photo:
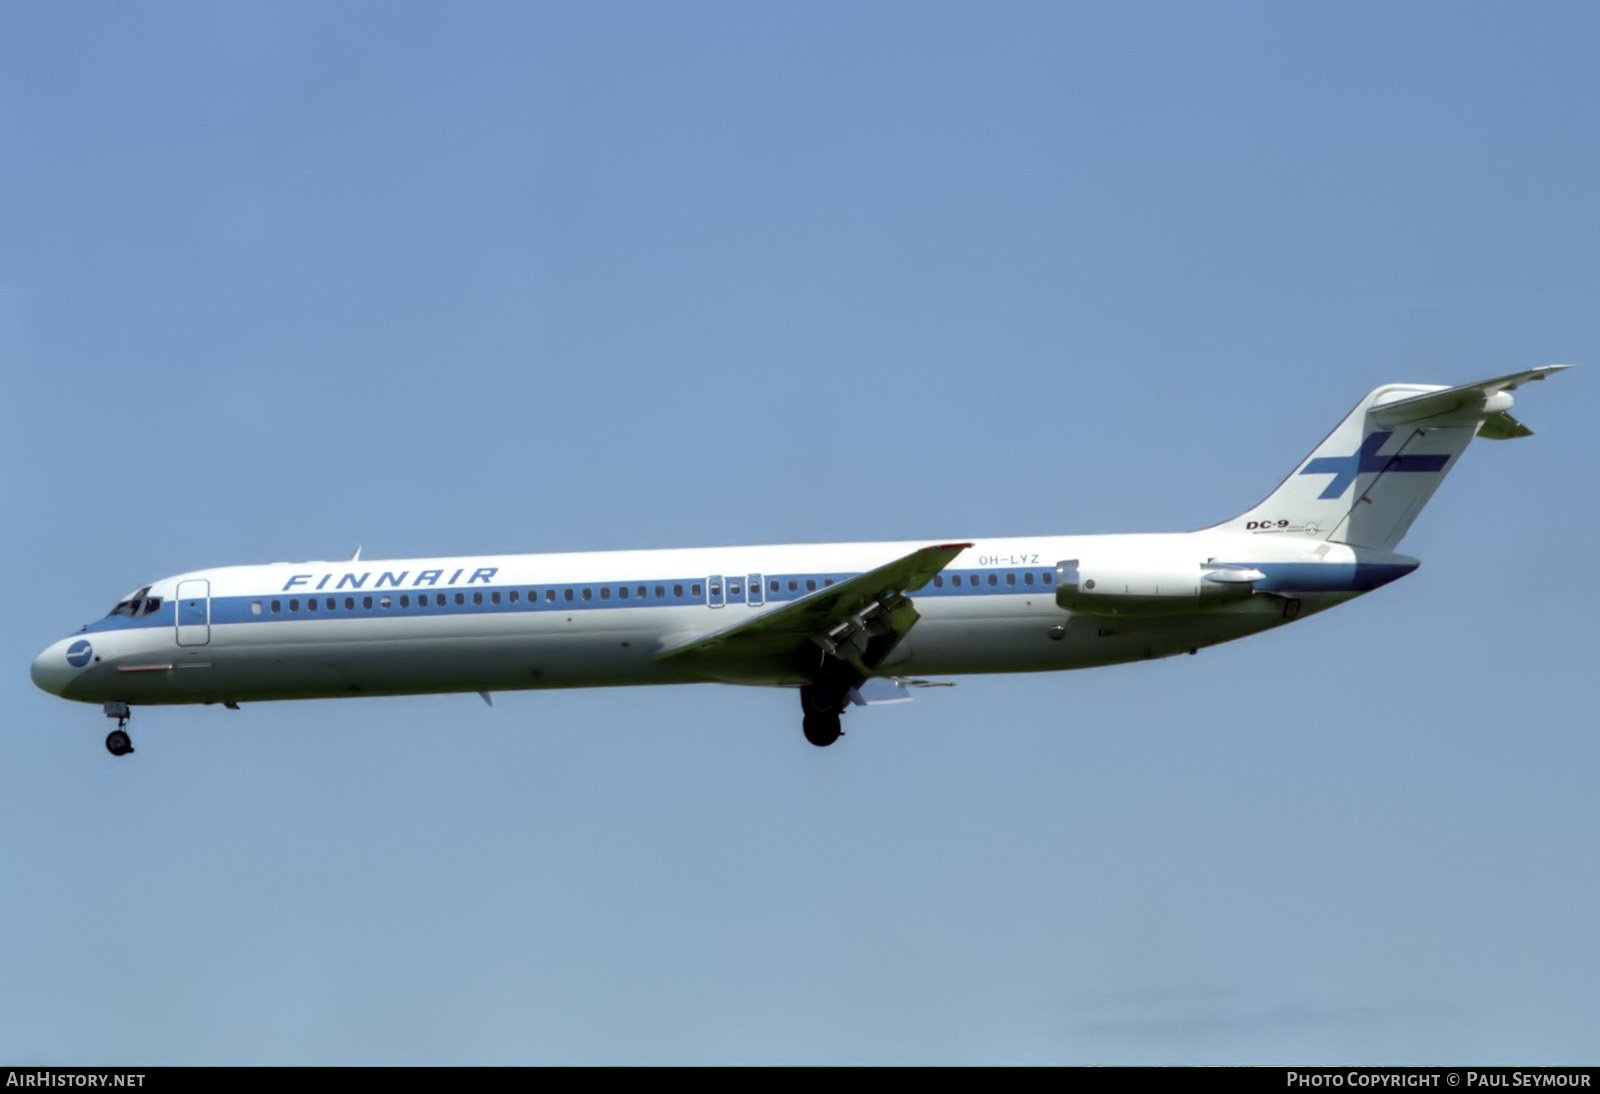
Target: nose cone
(56, 667)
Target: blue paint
(1281, 577)
(1344, 469)
(1327, 577)
(163, 616)
(79, 652)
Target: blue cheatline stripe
(481, 599)
(161, 617)
(491, 599)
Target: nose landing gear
(118, 743)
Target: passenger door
(194, 612)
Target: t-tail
(1369, 479)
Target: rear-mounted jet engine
(1146, 588)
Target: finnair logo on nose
(1344, 469)
(79, 652)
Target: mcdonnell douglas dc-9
(844, 623)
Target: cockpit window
(137, 604)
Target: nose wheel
(118, 743)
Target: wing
(842, 619)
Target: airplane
(847, 624)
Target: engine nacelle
(1148, 587)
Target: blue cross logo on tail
(1344, 469)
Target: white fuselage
(409, 626)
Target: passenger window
(955, 579)
(366, 602)
(773, 586)
(567, 593)
(994, 579)
(294, 605)
(622, 592)
(332, 603)
(661, 592)
(277, 606)
(588, 594)
(494, 598)
(642, 591)
(477, 598)
(349, 603)
(255, 607)
(311, 605)
(716, 590)
(383, 602)
(461, 598)
(405, 601)
(677, 590)
(938, 581)
(733, 589)
(793, 585)
(1027, 578)
(515, 596)
(550, 596)
(1011, 578)
(605, 592)
(1046, 577)
(439, 600)
(695, 589)
(827, 581)
(811, 584)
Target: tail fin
(1369, 479)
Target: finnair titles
(844, 624)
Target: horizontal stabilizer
(1503, 427)
(1484, 401)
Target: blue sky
(279, 279)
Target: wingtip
(1549, 370)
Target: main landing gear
(822, 706)
(118, 743)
